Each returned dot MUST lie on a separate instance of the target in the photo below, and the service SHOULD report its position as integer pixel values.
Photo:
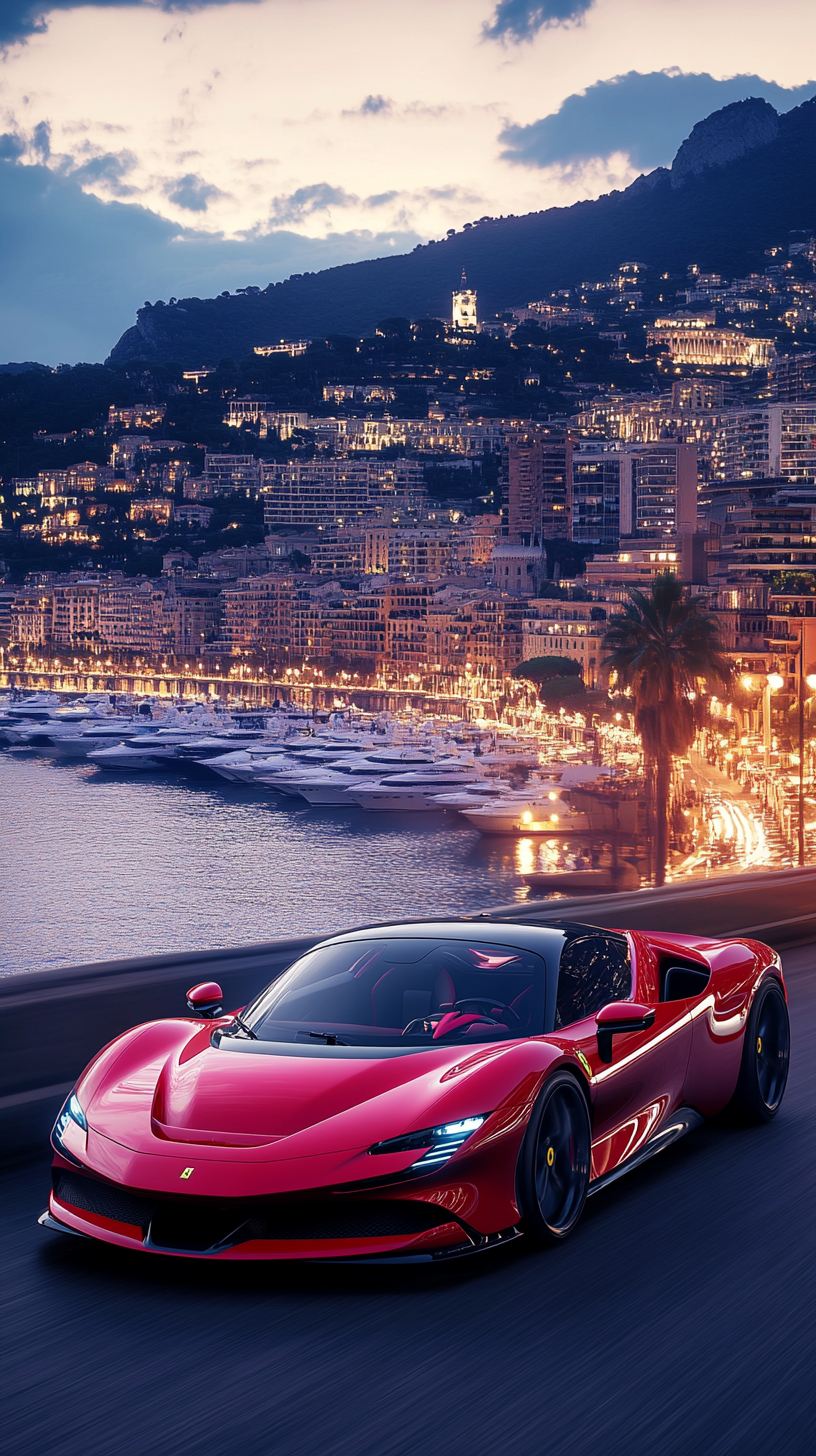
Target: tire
(765, 1056)
(554, 1163)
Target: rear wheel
(553, 1174)
(765, 1055)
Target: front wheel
(553, 1173)
(765, 1055)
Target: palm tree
(662, 647)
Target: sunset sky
(236, 143)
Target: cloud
(41, 141)
(107, 170)
(645, 116)
(192, 192)
(22, 18)
(379, 199)
(518, 20)
(73, 270)
(303, 203)
(11, 147)
(372, 106)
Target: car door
(632, 1095)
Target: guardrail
(54, 1021)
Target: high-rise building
(664, 492)
(793, 378)
(600, 479)
(536, 474)
(647, 491)
(768, 441)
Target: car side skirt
(684, 1120)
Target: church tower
(463, 314)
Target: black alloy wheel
(765, 1055)
(554, 1164)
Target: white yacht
(474, 795)
(414, 791)
(548, 812)
(354, 768)
(146, 751)
(238, 766)
(81, 739)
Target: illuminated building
(283, 346)
(793, 378)
(567, 629)
(464, 317)
(694, 339)
(769, 441)
(319, 492)
(535, 471)
(232, 472)
(647, 491)
(261, 412)
(137, 416)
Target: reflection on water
(97, 866)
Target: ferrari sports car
(416, 1092)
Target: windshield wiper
(248, 1029)
(328, 1038)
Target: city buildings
(505, 509)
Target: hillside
(742, 180)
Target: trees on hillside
(664, 647)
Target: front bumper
(336, 1227)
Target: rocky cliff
(725, 136)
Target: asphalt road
(679, 1319)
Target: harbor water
(97, 866)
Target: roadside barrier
(54, 1021)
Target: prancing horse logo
(187, 1173)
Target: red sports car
(416, 1091)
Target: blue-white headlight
(437, 1144)
(71, 1112)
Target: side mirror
(617, 1017)
(206, 999)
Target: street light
(811, 682)
(773, 682)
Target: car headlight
(71, 1112)
(437, 1144)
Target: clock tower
(463, 313)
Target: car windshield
(402, 992)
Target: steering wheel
(489, 1001)
(465, 1020)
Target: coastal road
(678, 1320)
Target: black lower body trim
(684, 1120)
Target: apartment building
(323, 492)
(755, 542)
(568, 629)
(256, 615)
(31, 615)
(535, 479)
(130, 616)
(224, 473)
(647, 491)
(769, 440)
(75, 620)
(261, 413)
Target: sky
(155, 149)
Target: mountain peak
(725, 136)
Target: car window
(593, 971)
(381, 992)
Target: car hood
(170, 1087)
